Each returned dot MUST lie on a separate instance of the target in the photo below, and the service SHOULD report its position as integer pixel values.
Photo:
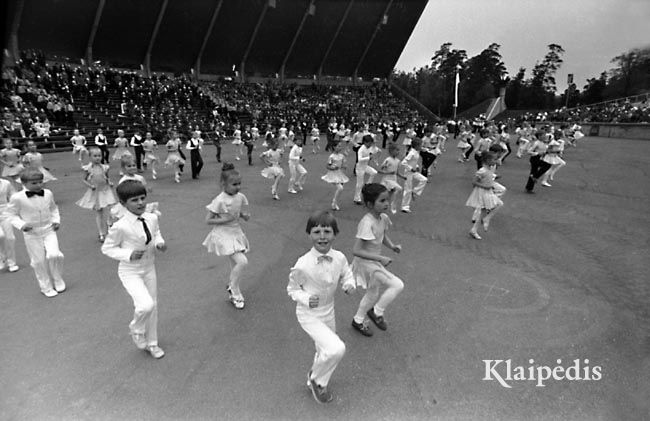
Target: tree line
(483, 75)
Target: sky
(592, 32)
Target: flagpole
(456, 91)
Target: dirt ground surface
(561, 276)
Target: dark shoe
(321, 394)
(378, 320)
(363, 328)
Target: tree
(514, 88)
(483, 76)
(593, 91)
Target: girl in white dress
(227, 237)
(389, 169)
(79, 144)
(552, 156)
(10, 160)
(335, 174)
(121, 146)
(34, 160)
(174, 157)
(273, 171)
(369, 265)
(465, 139)
(486, 195)
(149, 145)
(239, 144)
(99, 196)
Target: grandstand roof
(345, 38)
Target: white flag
(456, 89)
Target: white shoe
(237, 158)
(139, 340)
(155, 351)
(50, 293)
(292, 191)
(406, 210)
(13, 268)
(545, 184)
(276, 197)
(59, 286)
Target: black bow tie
(35, 193)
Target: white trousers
(140, 283)
(410, 188)
(329, 347)
(298, 174)
(362, 171)
(7, 243)
(44, 254)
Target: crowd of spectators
(31, 104)
(275, 104)
(625, 111)
(39, 97)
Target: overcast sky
(592, 32)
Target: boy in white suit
(34, 212)
(312, 284)
(133, 240)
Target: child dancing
(335, 175)
(485, 197)
(34, 212)
(363, 168)
(174, 159)
(273, 171)
(312, 284)
(415, 182)
(297, 171)
(132, 241)
(389, 178)
(369, 265)
(227, 237)
(99, 196)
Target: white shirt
(411, 160)
(294, 154)
(39, 212)
(309, 277)
(100, 140)
(194, 143)
(135, 177)
(127, 235)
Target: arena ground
(560, 276)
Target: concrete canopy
(310, 37)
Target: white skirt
(335, 177)
(226, 241)
(272, 172)
(483, 198)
